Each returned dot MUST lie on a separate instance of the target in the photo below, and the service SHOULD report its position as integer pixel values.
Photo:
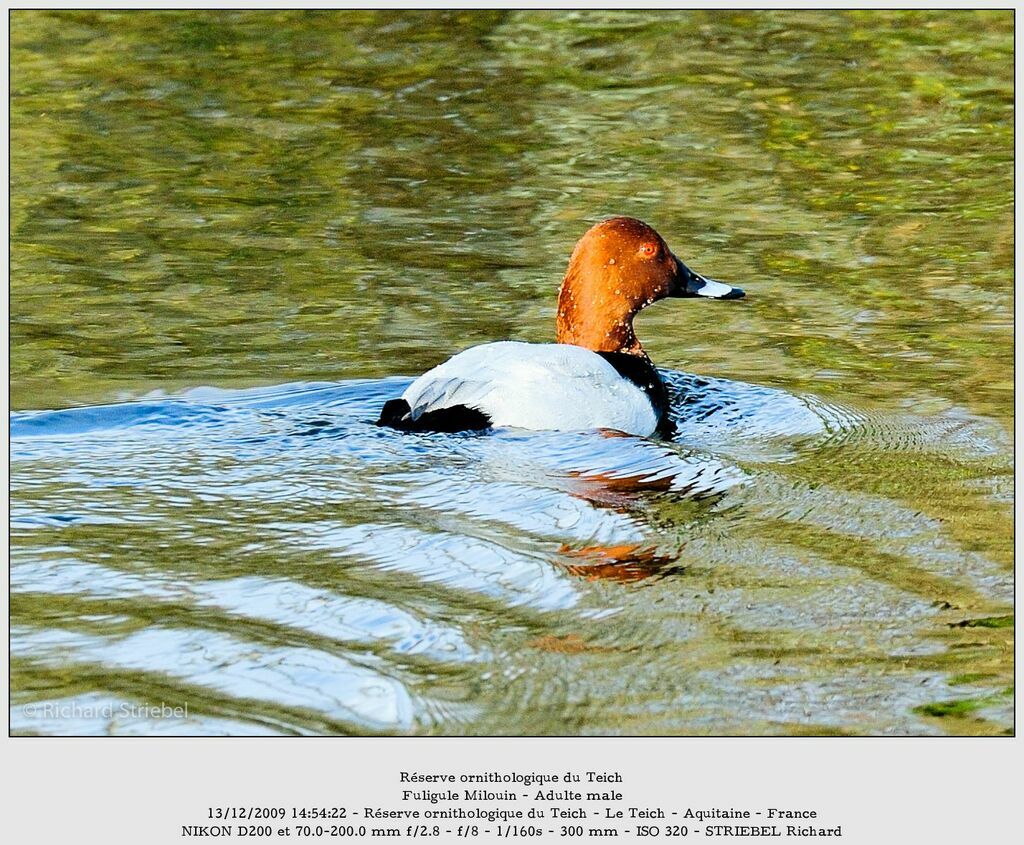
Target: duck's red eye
(647, 250)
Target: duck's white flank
(552, 386)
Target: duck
(596, 375)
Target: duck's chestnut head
(618, 267)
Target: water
(235, 235)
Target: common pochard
(597, 375)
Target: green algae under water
(306, 204)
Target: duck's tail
(397, 414)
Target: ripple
(272, 556)
(302, 678)
(285, 603)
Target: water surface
(235, 234)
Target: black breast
(644, 375)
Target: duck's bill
(693, 284)
(715, 290)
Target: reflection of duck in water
(613, 503)
(624, 563)
(597, 375)
(697, 480)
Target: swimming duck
(596, 374)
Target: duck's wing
(436, 390)
(452, 396)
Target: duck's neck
(596, 317)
